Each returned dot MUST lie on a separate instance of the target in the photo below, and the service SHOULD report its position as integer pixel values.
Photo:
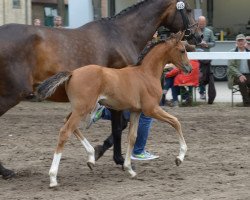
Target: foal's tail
(48, 86)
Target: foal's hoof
(132, 166)
(178, 161)
(98, 152)
(7, 174)
(90, 165)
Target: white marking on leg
(90, 150)
(183, 150)
(127, 164)
(133, 127)
(54, 169)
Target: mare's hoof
(178, 161)
(7, 174)
(98, 152)
(119, 160)
(90, 165)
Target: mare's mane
(126, 10)
(131, 8)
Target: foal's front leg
(160, 114)
(133, 127)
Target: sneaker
(203, 96)
(172, 103)
(144, 156)
(96, 115)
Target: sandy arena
(217, 165)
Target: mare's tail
(48, 86)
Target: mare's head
(176, 52)
(180, 16)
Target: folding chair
(235, 91)
(191, 92)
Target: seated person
(166, 83)
(248, 42)
(180, 79)
(238, 71)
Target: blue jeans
(175, 89)
(202, 89)
(142, 132)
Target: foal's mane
(148, 47)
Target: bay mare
(137, 89)
(30, 54)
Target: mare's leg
(100, 149)
(160, 114)
(133, 127)
(68, 128)
(6, 173)
(6, 103)
(116, 122)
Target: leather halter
(180, 6)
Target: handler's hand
(242, 78)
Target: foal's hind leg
(160, 114)
(89, 149)
(65, 132)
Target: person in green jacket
(238, 71)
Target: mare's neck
(140, 22)
(155, 60)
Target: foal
(137, 89)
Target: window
(16, 3)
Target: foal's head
(172, 50)
(176, 52)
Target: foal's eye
(183, 51)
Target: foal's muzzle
(186, 69)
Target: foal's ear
(179, 36)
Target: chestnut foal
(137, 89)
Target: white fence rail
(218, 55)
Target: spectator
(180, 79)
(58, 22)
(248, 42)
(37, 22)
(239, 71)
(167, 84)
(207, 42)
